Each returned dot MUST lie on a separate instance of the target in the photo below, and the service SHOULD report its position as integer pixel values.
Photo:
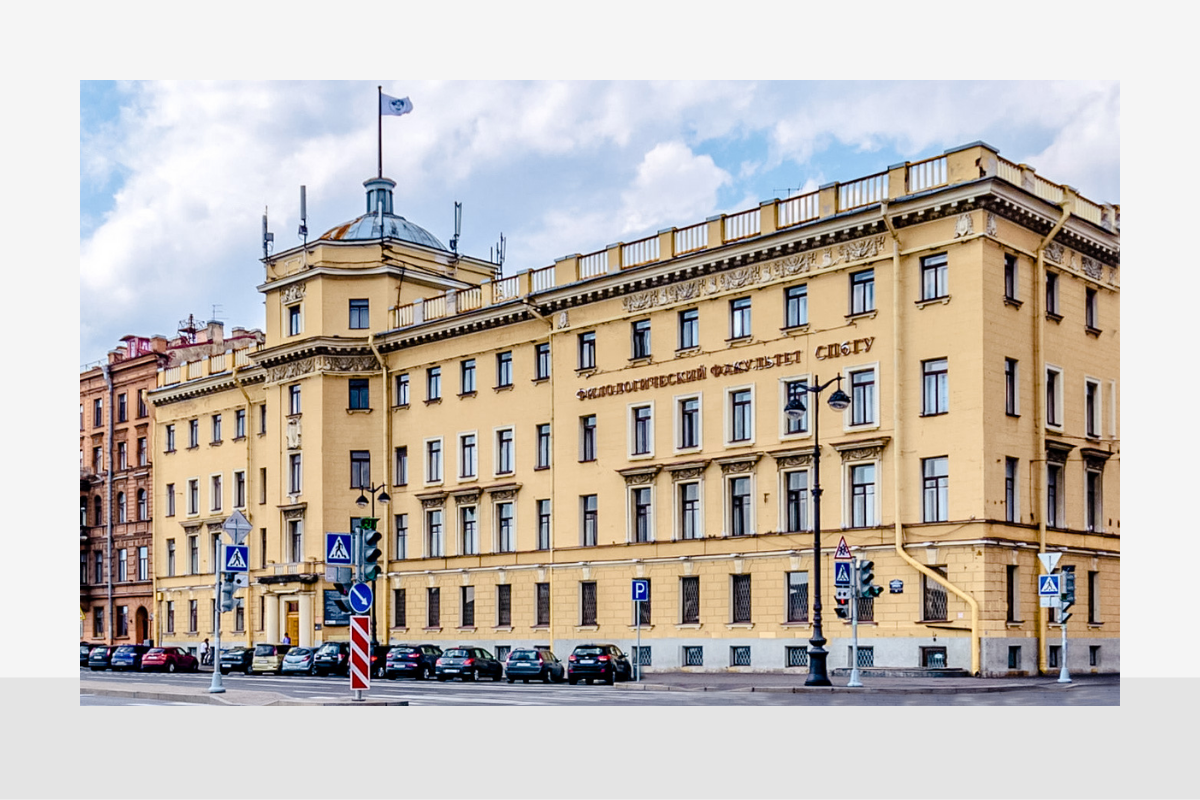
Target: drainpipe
(108, 479)
(249, 467)
(382, 602)
(898, 429)
(1039, 409)
(553, 494)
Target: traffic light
(1067, 593)
(343, 592)
(228, 587)
(843, 607)
(866, 576)
(371, 551)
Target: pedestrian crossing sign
(1048, 585)
(337, 549)
(237, 557)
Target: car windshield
(264, 650)
(523, 655)
(328, 649)
(456, 654)
(589, 651)
(126, 649)
(403, 651)
(301, 652)
(156, 651)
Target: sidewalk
(230, 697)
(775, 682)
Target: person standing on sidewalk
(204, 653)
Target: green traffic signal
(371, 550)
(866, 577)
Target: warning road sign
(360, 658)
(843, 551)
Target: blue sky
(174, 176)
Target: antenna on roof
(499, 251)
(216, 312)
(303, 233)
(457, 226)
(188, 327)
(268, 238)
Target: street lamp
(794, 410)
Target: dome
(379, 205)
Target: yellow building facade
(545, 438)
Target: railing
(505, 289)
(1006, 170)
(541, 279)
(799, 209)
(1046, 190)
(216, 364)
(470, 299)
(195, 369)
(642, 251)
(743, 225)
(863, 192)
(171, 375)
(927, 174)
(435, 307)
(691, 239)
(404, 316)
(241, 358)
(592, 265)
(1088, 210)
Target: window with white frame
(543, 446)
(1012, 387)
(935, 398)
(295, 323)
(506, 534)
(741, 415)
(294, 474)
(401, 551)
(296, 540)
(863, 498)
(1091, 405)
(587, 437)
(689, 600)
(641, 430)
(933, 277)
(739, 502)
(193, 506)
(543, 524)
(795, 389)
(795, 306)
(739, 318)
(1054, 496)
(433, 461)
(505, 457)
(740, 608)
(935, 480)
(797, 597)
(687, 411)
(588, 519)
(864, 396)
(640, 515)
(434, 533)
(468, 529)
(1093, 503)
(467, 456)
(239, 489)
(294, 399)
(1054, 397)
(862, 292)
(796, 501)
(401, 465)
(1012, 490)
(688, 494)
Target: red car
(169, 659)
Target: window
(541, 361)
(1092, 408)
(401, 551)
(239, 490)
(1052, 293)
(503, 605)
(862, 397)
(689, 600)
(505, 459)
(935, 481)
(262, 419)
(360, 393)
(466, 602)
(120, 506)
(170, 558)
(433, 383)
(689, 510)
(588, 522)
(689, 422)
(239, 424)
(239, 614)
(294, 399)
(1010, 277)
(741, 415)
(587, 438)
(467, 376)
(543, 524)
(865, 610)
(193, 506)
(1093, 655)
(170, 448)
(542, 611)
(143, 569)
(640, 521)
(862, 291)
(294, 473)
(97, 460)
(433, 607)
(740, 595)
(587, 350)
(194, 433)
(294, 326)
(97, 412)
(122, 408)
(1012, 490)
(262, 547)
(1091, 310)
(587, 603)
(122, 565)
(797, 597)
(739, 318)
(933, 277)
(433, 461)
(1092, 500)
(98, 621)
(862, 496)
(506, 540)
(170, 616)
(360, 314)
(216, 428)
(739, 506)
(122, 621)
(739, 656)
(360, 469)
(543, 447)
(936, 399)
(262, 485)
(641, 615)
(433, 533)
(143, 511)
(193, 555)
(1093, 590)
(1054, 498)
(689, 328)
(216, 493)
(143, 410)
(796, 501)
(795, 390)
(98, 565)
(795, 306)
(642, 430)
(796, 656)
(933, 596)
(504, 369)
(1054, 415)
(402, 389)
(640, 339)
(467, 461)
(1053, 656)
(399, 608)
(402, 465)
(1012, 388)
(295, 540)
(122, 456)
(1012, 585)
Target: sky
(174, 177)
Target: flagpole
(379, 119)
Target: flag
(394, 106)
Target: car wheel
(548, 677)
(170, 666)
(572, 681)
(225, 671)
(612, 678)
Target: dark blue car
(128, 657)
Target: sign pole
(638, 660)
(217, 687)
(1064, 676)
(855, 588)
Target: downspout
(553, 493)
(108, 479)
(382, 602)
(1039, 411)
(249, 467)
(898, 428)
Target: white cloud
(672, 183)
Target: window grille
(797, 656)
(641, 656)
(690, 589)
(739, 656)
(502, 651)
(1053, 656)
(588, 597)
(934, 596)
(693, 656)
(866, 656)
(741, 598)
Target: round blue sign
(361, 598)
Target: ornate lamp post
(838, 401)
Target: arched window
(99, 512)
(141, 505)
(83, 512)
(120, 507)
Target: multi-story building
(546, 437)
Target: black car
(100, 657)
(412, 661)
(468, 663)
(333, 658)
(128, 657)
(603, 662)
(379, 653)
(236, 658)
(299, 660)
(534, 662)
(85, 650)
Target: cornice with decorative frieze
(862, 449)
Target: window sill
(236, 439)
(193, 447)
(585, 372)
(544, 379)
(1012, 301)
(1093, 331)
(857, 315)
(804, 624)
(462, 629)
(688, 626)
(934, 414)
(539, 627)
(432, 630)
(1014, 623)
(400, 407)
(740, 341)
(437, 401)
(942, 621)
(169, 452)
(586, 628)
(358, 410)
(744, 626)
(501, 628)
(505, 388)
(1096, 625)
(541, 468)
(644, 628)
(640, 361)
(928, 301)
(684, 352)
(795, 330)
(401, 629)
(1053, 317)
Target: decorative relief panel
(864, 450)
(292, 294)
(433, 502)
(1054, 252)
(322, 363)
(739, 466)
(293, 433)
(290, 514)
(1092, 268)
(467, 498)
(794, 461)
(964, 227)
(990, 224)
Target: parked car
(299, 660)
(379, 654)
(169, 659)
(85, 650)
(604, 662)
(333, 658)
(268, 658)
(128, 657)
(412, 661)
(534, 662)
(468, 663)
(236, 658)
(100, 656)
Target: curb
(659, 687)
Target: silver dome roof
(379, 208)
